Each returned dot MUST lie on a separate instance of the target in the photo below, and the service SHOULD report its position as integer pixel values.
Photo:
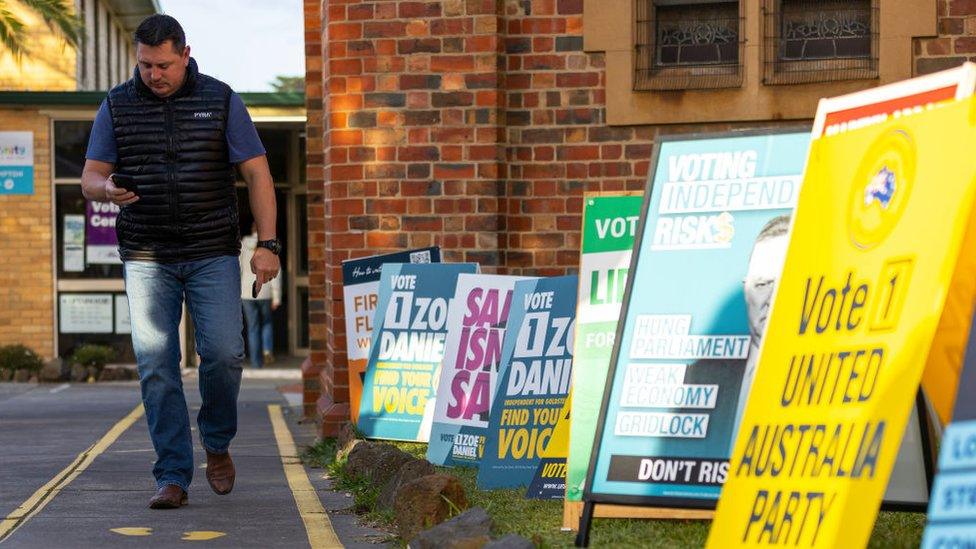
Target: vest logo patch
(203, 115)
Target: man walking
(163, 147)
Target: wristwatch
(273, 244)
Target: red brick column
(558, 143)
(314, 159)
(413, 150)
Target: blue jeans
(156, 292)
(260, 334)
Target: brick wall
(312, 368)
(26, 291)
(475, 125)
(956, 42)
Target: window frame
(648, 76)
(778, 72)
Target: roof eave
(131, 12)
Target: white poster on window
(122, 325)
(86, 313)
(73, 243)
(16, 162)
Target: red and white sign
(874, 106)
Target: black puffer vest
(176, 148)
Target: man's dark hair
(158, 28)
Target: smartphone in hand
(254, 290)
(126, 182)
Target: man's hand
(117, 196)
(265, 266)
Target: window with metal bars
(820, 40)
(688, 44)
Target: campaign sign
(890, 102)
(407, 348)
(476, 329)
(534, 381)
(609, 227)
(549, 481)
(360, 286)
(709, 248)
(101, 242)
(855, 314)
(952, 510)
(16, 162)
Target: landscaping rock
(511, 541)
(123, 372)
(22, 375)
(426, 502)
(347, 434)
(469, 530)
(107, 374)
(389, 459)
(6, 374)
(408, 472)
(361, 458)
(376, 462)
(342, 453)
(78, 373)
(52, 371)
(346, 440)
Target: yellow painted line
(202, 535)
(317, 523)
(138, 531)
(46, 493)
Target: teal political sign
(407, 348)
(710, 245)
(534, 381)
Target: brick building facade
(477, 125)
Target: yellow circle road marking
(133, 531)
(201, 535)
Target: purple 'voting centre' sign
(101, 244)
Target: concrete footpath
(76, 471)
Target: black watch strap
(273, 244)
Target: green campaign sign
(609, 227)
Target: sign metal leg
(586, 519)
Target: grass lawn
(540, 520)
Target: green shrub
(93, 355)
(15, 357)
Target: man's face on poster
(765, 265)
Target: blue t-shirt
(243, 142)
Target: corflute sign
(854, 320)
(407, 349)
(710, 247)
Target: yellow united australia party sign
(882, 221)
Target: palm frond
(60, 17)
(12, 32)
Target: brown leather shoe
(168, 497)
(220, 472)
